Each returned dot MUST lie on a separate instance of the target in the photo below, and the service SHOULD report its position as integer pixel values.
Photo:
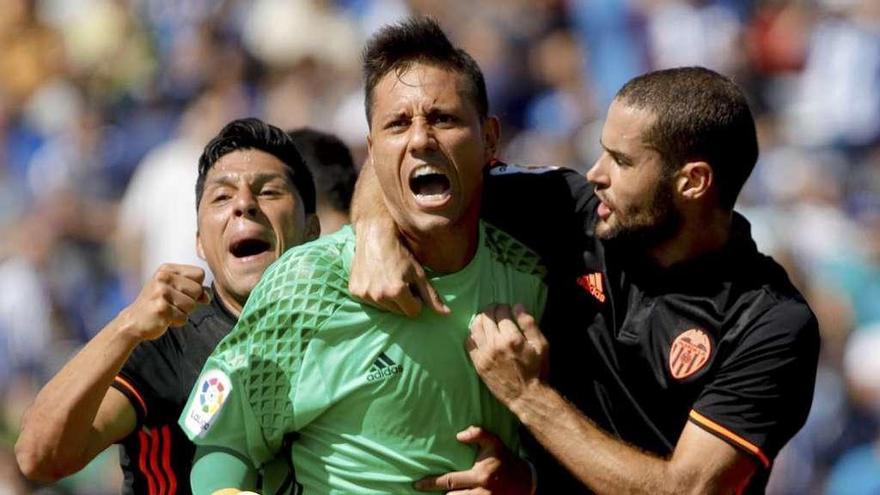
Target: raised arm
(700, 463)
(77, 414)
(510, 361)
(383, 272)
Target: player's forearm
(57, 436)
(600, 462)
(367, 205)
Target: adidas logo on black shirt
(382, 368)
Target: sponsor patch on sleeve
(508, 169)
(213, 389)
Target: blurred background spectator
(332, 166)
(106, 104)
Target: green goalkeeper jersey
(374, 398)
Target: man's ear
(200, 251)
(491, 137)
(694, 180)
(312, 228)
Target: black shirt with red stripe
(157, 378)
(724, 340)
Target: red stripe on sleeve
(154, 460)
(166, 460)
(145, 441)
(137, 395)
(733, 437)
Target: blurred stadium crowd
(105, 105)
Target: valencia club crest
(689, 353)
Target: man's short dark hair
(331, 164)
(419, 40)
(251, 133)
(701, 115)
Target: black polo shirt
(723, 341)
(157, 378)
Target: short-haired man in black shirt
(683, 359)
(255, 198)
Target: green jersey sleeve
(243, 402)
(215, 469)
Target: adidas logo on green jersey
(382, 368)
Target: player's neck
(446, 250)
(228, 301)
(698, 236)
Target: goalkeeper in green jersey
(359, 400)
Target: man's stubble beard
(662, 223)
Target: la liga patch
(211, 393)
